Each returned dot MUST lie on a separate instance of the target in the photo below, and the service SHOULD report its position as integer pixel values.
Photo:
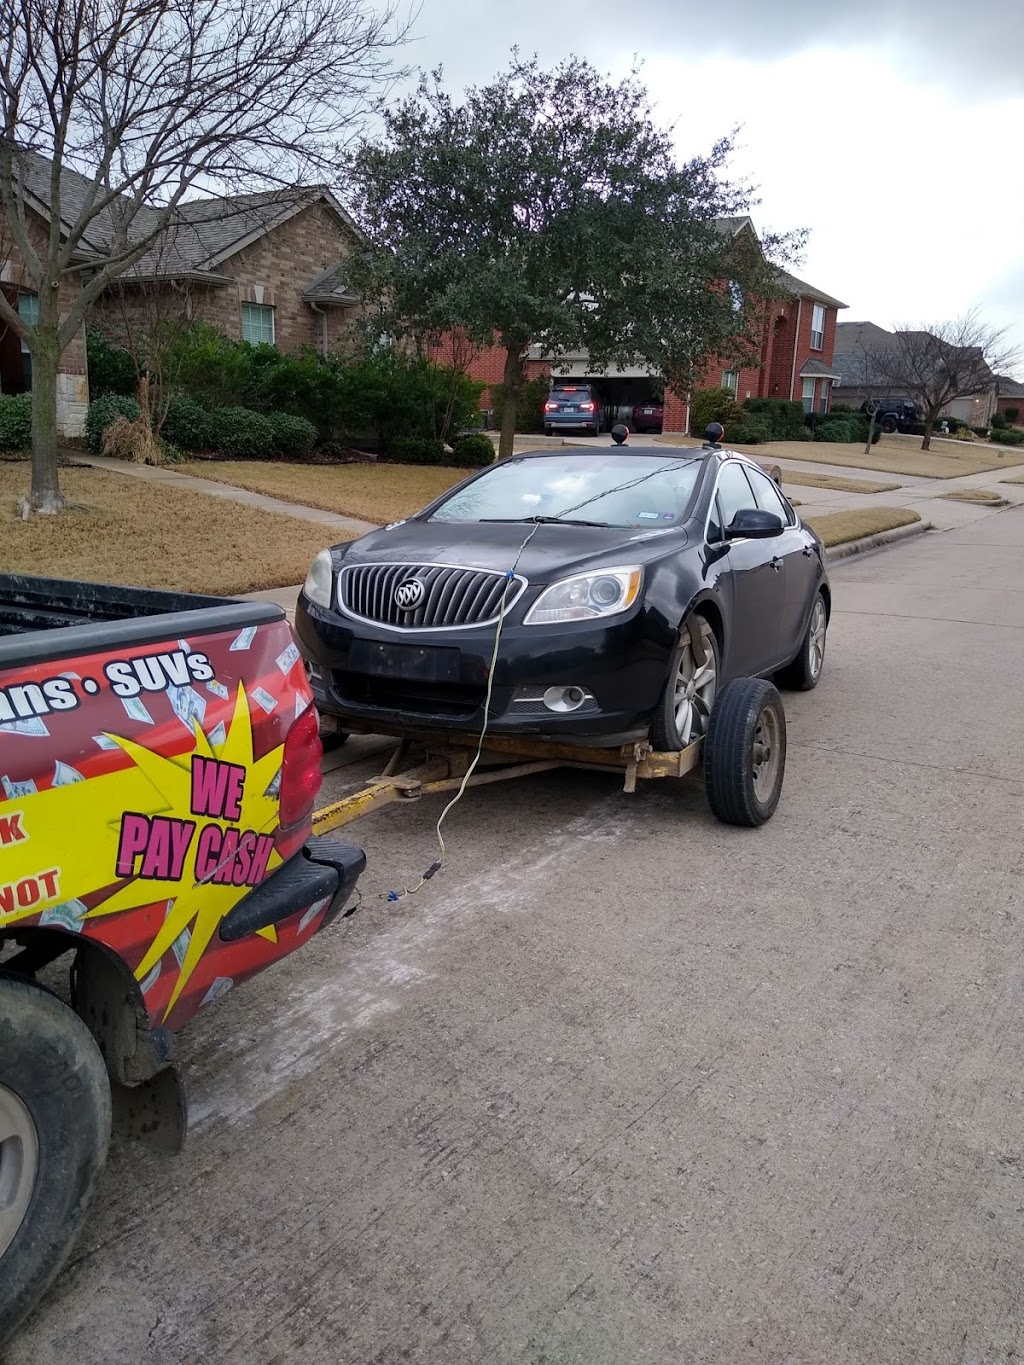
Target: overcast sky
(891, 129)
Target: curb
(880, 541)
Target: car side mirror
(750, 523)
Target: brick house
(1010, 395)
(261, 267)
(795, 359)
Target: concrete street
(622, 1084)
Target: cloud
(973, 50)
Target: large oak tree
(548, 208)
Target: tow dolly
(743, 757)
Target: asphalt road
(624, 1085)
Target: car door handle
(806, 552)
(776, 563)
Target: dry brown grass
(837, 483)
(982, 495)
(377, 493)
(1019, 479)
(837, 528)
(124, 530)
(892, 455)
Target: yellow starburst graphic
(82, 826)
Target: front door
(758, 582)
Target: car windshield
(609, 489)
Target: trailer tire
(55, 1113)
(745, 752)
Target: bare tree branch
(114, 112)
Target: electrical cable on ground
(392, 896)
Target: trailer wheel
(54, 1129)
(745, 752)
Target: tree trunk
(511, 388)
(926, 441)
(871, 433)
(46, 495)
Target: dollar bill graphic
(287, 661)
(244, 639)
(301, 705)
(187, 705)
(136, 710)
(105, 742)
(33, 726)
(275, 785)
(218, 689)
(264, 699)
(69, 916)
(311, 914)
(217, 735)
(16, 789)
(64, 775)
(148, 982)
(219, 987)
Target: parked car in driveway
(573, 407)
(630, 584)
(648, 417)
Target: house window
(731, 380)
(825, 386)
(736, 296)
(28, 311)
(257, 323)
(817, 328)
(808, 395)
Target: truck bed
(47, 618)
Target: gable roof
(1009, 388)
(203, 232)
(800, 289)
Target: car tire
(745, 753)
(549, 431)
(888, 425)
(803, 672)
(55, 1113)
(675, 725)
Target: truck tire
(745, 752)
(54, 1129)
(888, 425)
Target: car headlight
(587, 597)
(319, 583)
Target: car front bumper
(365, 675)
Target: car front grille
(448, 596)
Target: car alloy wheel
(695, 685)
(816, 638)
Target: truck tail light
(300, 769)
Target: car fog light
(565, 698)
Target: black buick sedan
(597, 596)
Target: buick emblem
(409, 594)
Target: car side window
(714, 522)
(769, 499)
(734, 492)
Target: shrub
(15, 421)
(418, 450)
(783, 418)
(131, 438)
(1009, 436)
(111, 368)
(999, 420)
(187, 425)
(713, 405)
(749, 433)
(473, 452)
(294, 437)
(1011, 415)
(242, 434)
(839, 431)
(980, 431)
(102, 412)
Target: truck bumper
(325, 868)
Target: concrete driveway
(624, 1085)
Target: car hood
(552, 551)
